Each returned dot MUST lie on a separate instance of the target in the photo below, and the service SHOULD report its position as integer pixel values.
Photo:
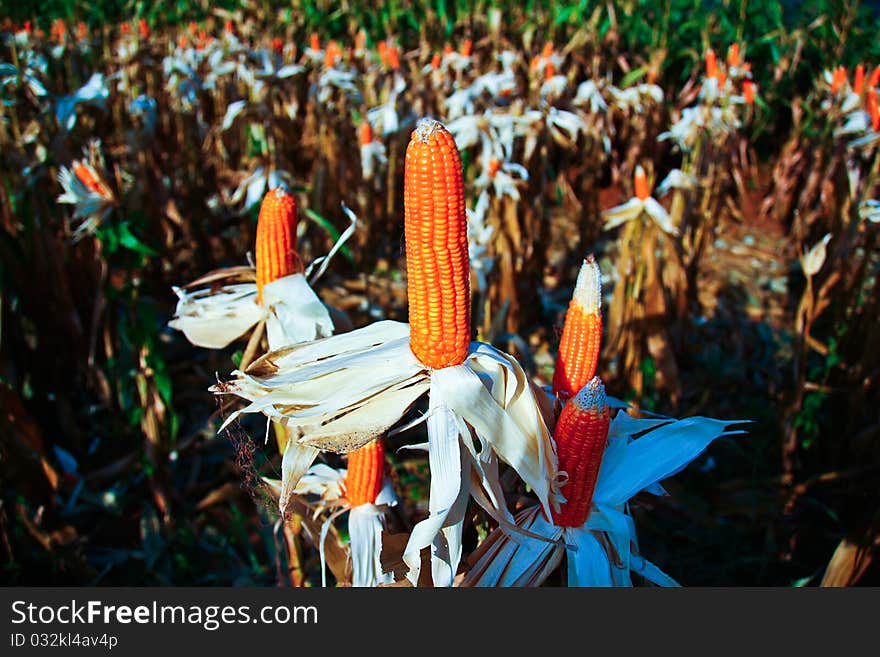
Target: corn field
(440, 294)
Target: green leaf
(331, 230)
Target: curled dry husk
(213, 310)
(339, 393)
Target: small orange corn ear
(580, 434)
(859, 79)
(438, 271)
(549, 71)
(90, 178)
(838, 79)
(393, 58)
(548, 50)
(435, 62)
(314, 42)
(276, 238)
(749, 92)
(733, 55)
(365, 471)
(642, 190)
(467, 47)
(581, 334)
(366, 136)
(874, 79)
(873, 109)
(711, 63)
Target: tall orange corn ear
(89, 177)
(874, 79)
(580, 434)
(859, 79)
(711, 63)
(581, 334)
(873, 107)
(393, 58)
(438, 271)
(366, 136)
(642, 190)
(733, 55)
(548, 50)
(749, 92)
(276, 238)
(838, 79)
(365, 471)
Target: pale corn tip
(588, 289)
(592, 397)
(426, 127)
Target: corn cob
(642, 190)
(581, 433)
(581, 334)
(749, 92)
(393, 58)
(314, 42)
(874, 80)
(711, 63)
(90, 178)
(366, 136)
(365, 470)
(859, 80)
(436, 248)
(838, 79)
(276, 239)
(873, 109)
(733, 55)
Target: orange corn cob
(125, 28)
(229, 27)
(435, 62)
(82, 30)
(548, 50)
(181, 42)
(278, 45)
(365, 471)
(314, 42)
(873, 109)
(330, 54)
(366, 135)
(143, 28)
(394, 57)
(90, 178)
(581, 433)
(721, 76)
(438, 283)
(733, 55)
(859, 79)
(494, 167)
(711, 63)
(642, 190)
(549, 71)
(467, 47)
(581, 334)
(749, 91)
(874, 80)
(192, 27)
(838, 79)
(276, 238)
